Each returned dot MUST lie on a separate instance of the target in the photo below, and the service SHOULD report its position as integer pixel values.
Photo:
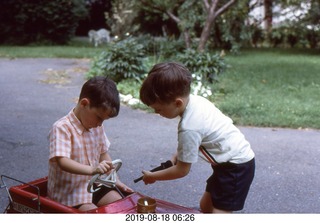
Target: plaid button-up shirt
(68, 138)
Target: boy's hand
(103, 167)
(174, 158)
(123, 187)
(147, 177)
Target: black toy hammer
(163, 166)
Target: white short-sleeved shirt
(68, 138)
(202, 124)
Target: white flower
(125, 98)
(133, 101)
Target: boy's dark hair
(102, 93)
(165, 82)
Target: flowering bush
(206, 67)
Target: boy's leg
(108, 198)
(207, 207)
(105, 196)
(87, 207)
(206, 203)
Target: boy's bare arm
(179, 170)
(74, 167)
(105, 156)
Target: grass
(262, 87)
(78, 48)
(273, 88)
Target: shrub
(205, 67)
(122, 60)
(161, 47)
(204, 64)
(54, 21)
(149, 44)
(170, 47)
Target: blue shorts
(100, 193)
(229, 184)
(103, 191)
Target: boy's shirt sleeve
(188, 146)
(59, 142)
(105, 144)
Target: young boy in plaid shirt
(79, 148)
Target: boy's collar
(75, 122)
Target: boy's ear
(84, 102)
(179, 102)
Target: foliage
(205, 67)
(170, 48)
(231, 30)
(189, 22)
(190, 17)
(123, 59)
(311, 24)
(150, 43)
(256, 89)
(129, 87)
(161, 47)
(277, 36)
(24, 22)
(121, 17)
(297, 25)
(257, 35)
(296, 34)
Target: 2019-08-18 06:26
(160, 217)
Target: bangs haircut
(102, 93)
(165, 82)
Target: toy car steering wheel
(108, 180)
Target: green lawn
(262, 87)
(76, 49)
(272, 88)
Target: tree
(169, 8)
(25, 22)
(186, 19)
(298, 21)
(120, 19)
(214, 9)
(268, 15)
(96, 16)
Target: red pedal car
(32, 197)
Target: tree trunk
(206, 32)
(213, 12)
(268, 18)
(187, 38)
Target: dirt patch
(60, 77)
(63, 77)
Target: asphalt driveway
(36, 92)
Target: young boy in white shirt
(203, 131)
